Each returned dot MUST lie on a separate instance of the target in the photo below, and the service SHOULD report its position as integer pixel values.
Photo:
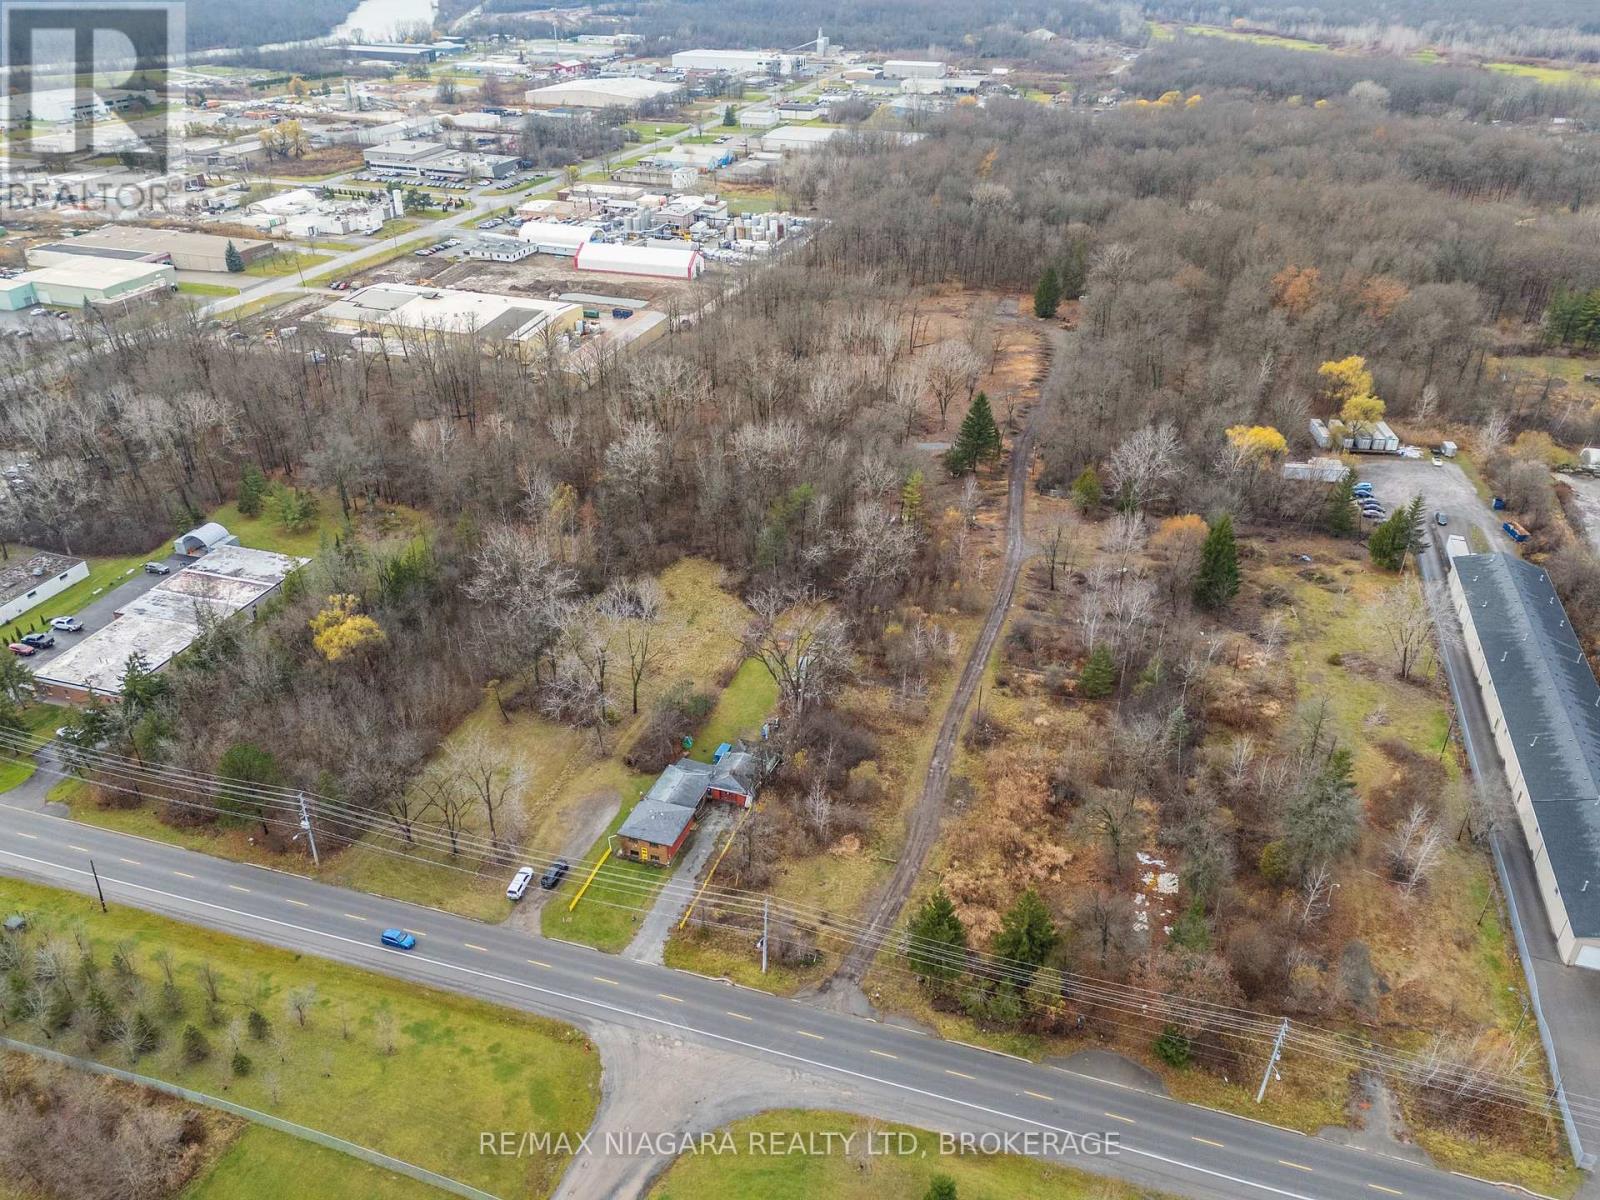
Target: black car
(554, 874)
(39, 641)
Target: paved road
(1184, 1149)
(922, 828)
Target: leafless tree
(300, 1002)
(1415, 849)
(1144, 463)
(1314, 898)
(494, 778)
(526, 587)
(800, 641)
(950, 367)
(636, 607)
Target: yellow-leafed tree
(339, 631)
(1257, 441)
(1365, 409)
(1345, 378)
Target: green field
(1553, 76)
(609, 914)
(285, 264)
(206, 289)
(38, 717)
(749, 699)
(381, 1062)
(263, 1163)
(903, 1164)
(103, 573)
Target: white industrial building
(1544, 711)
(26, 583)
(598, 93)
(661, 262)
(165, 621)
(557, 237)
(735, 62)
(415, 307)
(497, 247)
(913, 68)
(798, 138)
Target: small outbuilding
(660, 262)
(203, 540)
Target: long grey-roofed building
(1544, 709)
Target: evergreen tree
(1027, 934)
(196, 1049)
(1086, 489)
(1217, 581)
(1389, 541)
(1075, 271)
(252, 491)
(910, 500)
(978, 439)
(1416, 527)
(1322, 819)
(939, 939)
(728, 119)
(1339, 518)
(1047, 294)
(232, 259)
(1099, 675)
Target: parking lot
(99, 612)
(1444, 488)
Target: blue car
(398, 939)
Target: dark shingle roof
(1551, 705)
(657, 823)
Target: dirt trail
(923, 826)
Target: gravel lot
(1444, 488)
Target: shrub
(258, 1025)
(241, 1063)
(1172, 1047)
(1274, 862)
(195, 1047)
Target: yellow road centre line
(603, 979)
(133, 862)
(79, 849)
(737, 1016)
(674, 999)
(32, 837)
(959, 1074)
(237, 888)
(1120, 1117)
(475, 946)
(1284, 1162)
(545, 965)
(1378, 1187)
(299, 903)
(1038, 1095)
(1207, 1142)
(814, 1036)
(183, 874)
(883, 1054)
(353, 917)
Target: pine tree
(196, 1049)
(1339, 518)
(1217, 581)
(1047, 294)
(1099, 674)
(939, 939)
(1027, 934)
(1074, 271)
(1389, 541)
(911, 511)
(1086, 489)
(1416, 528)
(978, 439)
(1322, 820)
(232, 259)
(728, 119)
(252, 491)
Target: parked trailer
(1515, 532)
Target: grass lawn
(285, 264)
(265, 533)
(749, 699)
(1259, 39)
(759, 1170)
(505, 1070)
(263, 1162)
(103, 573)
(650, 131)
(207, 289)
(37, 717)
(1553, 76)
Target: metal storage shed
(662, 262)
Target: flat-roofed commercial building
(89, 279)
(599, 93)
(165, 621)
(26, 583)
(735, 62)
(185, 251)
(405, 308)
(913, 68)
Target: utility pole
(1277, 1053)
(311, 834)
(764, 931)
(99, 891)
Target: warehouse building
(913, 68)
(26, 583)
(557, 237)
(790, 139)
(165, 621)
(185, 251)
(89, 280)
(417, 159)
(1544, 711)
(660, 262)
(735, 62)
(401, 307)
(599, 93)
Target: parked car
(39, 641)
(519, 883)
(1441, 518)
(66, 624)
(553, 875)
(21, 650)
(157, 568)
(398, 939)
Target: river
(377, 20)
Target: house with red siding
(661, 823)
